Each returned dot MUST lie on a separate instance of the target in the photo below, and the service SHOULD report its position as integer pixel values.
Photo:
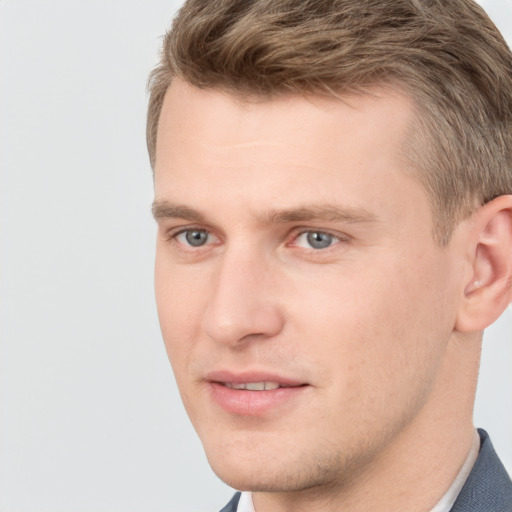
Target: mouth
(253, 395)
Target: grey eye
(319, 240)
(196, 237)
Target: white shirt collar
(245, 504)
(445, 504)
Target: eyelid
(339, 237)
(172, 234)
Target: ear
(489, 290)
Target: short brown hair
(446, 54)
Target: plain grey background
(90, 419)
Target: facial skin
(359, 317)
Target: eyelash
(173, 236)
(335, 239)
(191, 230)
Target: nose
(243, 304)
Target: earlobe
(489, 290)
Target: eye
(193, 237)
(316, 240)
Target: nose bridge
(241, 304)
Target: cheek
(178, 310)
(376, 329)
(179, 305)
(407, 326)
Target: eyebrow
(317, 213)
(165, 210)
(323, 213)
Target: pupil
(196, 238)
(319, 240)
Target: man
(333, 192)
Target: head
(331, 185)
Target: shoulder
(488, 487)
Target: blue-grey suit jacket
(487, 489)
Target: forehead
(216, 150)
(219, 118)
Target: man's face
(305, 307)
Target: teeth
(253, 386)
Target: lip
(251, 376)
(252, 403)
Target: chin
(247, 483)
(242, 470)
(253, 480)
(286, 480)
(274, 470)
